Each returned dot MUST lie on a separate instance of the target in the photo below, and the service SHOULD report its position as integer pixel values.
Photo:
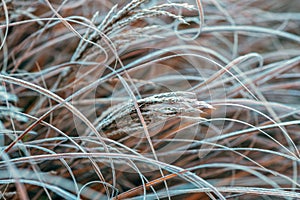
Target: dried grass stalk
(159, 107)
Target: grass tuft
(142, 99)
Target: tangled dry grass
(149, 99)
